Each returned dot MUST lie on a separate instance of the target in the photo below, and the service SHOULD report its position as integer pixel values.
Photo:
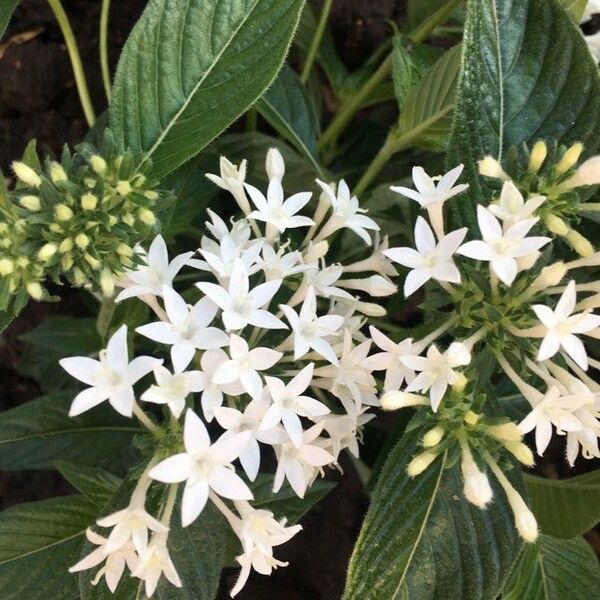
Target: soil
(38, 99)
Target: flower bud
(152, 195)
(89, 202)
(63, 212)
(31, 203)
(275, 166)
(35, 290)
(369, 309)
(588, 173)
(128, 219)
(146, 216)
(124, 250)
(78, 277)
(433, 437)
(581, 245)
(420, 462)
(66, 261)
(375, 285)
(569, 158)
(461, 384)
(123, 188)
(66, 246)
(6, 267)
(490, 167)
(55, 228)
(93, 262)
(537, 156)
(550, 276)
(471, 418)
(477, 487)
(315, 251)
(26, 174)
(107, 283)
(47, 251)
(556, 225)
(98, 164)
(57, 173)
(396, 400)
(82, 240)
(521, 452)
(506, 432)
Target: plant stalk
(104, 15)
(316, 41)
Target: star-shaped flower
(512, 207)
(154, 562)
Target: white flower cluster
(269, 337)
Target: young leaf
(575, 8)
(6, 10)
(37, 434)
(96, 484)
(565, 508)
(422, 539)
(191, 67)
(526, 74)
(555, 569)
(289, 108)
(39, 541)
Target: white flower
(429, 260)
(512, 208)
(156, 273)
(477, 487)
(274, 164)
(376, 286)
(278, 265)
(239, 233)
(322, 279)
(377, 262)
(277, 212)
(187, 330)
(249, 421)
(593, 43)
(343, 431)
(173, 388)
(241, 305)
(115, 561)
(203, 467)
(502, 248)
(553, 409)
(232, 179)
(298, 464)
(154, 562)
(591, 8)
(437, 370)
(289, 404)
(390, 360)
(309, 330)
(111, 378)
(562, 325)
(244, 365)
(346, 213)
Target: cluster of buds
(76, 220)
(267, 353)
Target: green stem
(80, 81)
(105, 313)
(590, 207)
(251, 120)
(316, 41)
(104, 13)
(350, 108)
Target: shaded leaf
(6, 10)
(96, 484)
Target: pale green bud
(434, 436)
(78, 277)
(420, 462)
(82, 240)
(396, 400)
(569, 158)
(521, 452)
(581, 245)
(506, 432)
(556, 225)
(128, 219)
(67, 261)
(316, 251)
(151, 195)
(98, 164)
(55, 228)
(6, 267)
(550, 276)
(107, 282)
(63, 212)
(123, 188)
(124, 250)
(461, 383)
(35, 290)
(537, 156)
(31, 203)
(22, 262)
(490, 167)
(112, 220)
(57, 173)
(146, 216)
(89, 202)
(471, 418)
(93, 262)
(26, 174)
(47, 251)
(66, 246)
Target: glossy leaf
(37, 434)
(6, 10)
(527, 74)
(96, 484)
(565, 508)
(554, 569)
(39, 541)
(422, 539)
(191, 67)
(65, 335)
(290, 110)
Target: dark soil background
(38, 100)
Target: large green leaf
(191, 67)
(39, 541)
(426, 115)
(96, 484)
(526, 74)
(421, 539)
(6, 10)
(418, 11)
(575, 8)
(555, 569)
(37, 434)
(65, 335)
(565, 508)
(290, 109)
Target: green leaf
(418, 11)
(191, 67)
(290, 110)
(565, 508)
(96, 484)
(39, 541)
(526, 74)
(7, 317)
(426, 117)
(6, 10)
(575, 8)
(554, 569)
(65, 335)
(422, 539)
(37, 434)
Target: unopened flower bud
(396, 400)
(146, 216)
(31, 203)
(550, 276)
(55, 228)
(6, 267)
(521, 452)
(93, 262)
(275, 166)
(124, 250)
(314, 252)
(35, 290)
(47, 251)
(588, 173)
(477, 487)
(89, 202)
(98, 164)
(57, 173)
(461, 384)
(569, 158)
(26, 174)
(370, 309)
(123, 188)
(63, 212)
(82, 240)
(556, 225)
(471, 418)
(128, 219)
(112, 220)
(537, 156)
(152, 195)
(490, 167)
(66, 262)
(78, 277)
(420, 462)
(433, 437)
(375, 285)
(107, 283)
(66, 246)
(581, 245)
(506, 432)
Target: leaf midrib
(69, 431)
(46, 547)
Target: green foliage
(204, 63)
(37, 434)
(418, 11)
(575, 8)
(64, 335)
(554, 569)
(96, 484)
(39, 541)
(6, 10)
(526, 74)
(565, 508)
(422, 539)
